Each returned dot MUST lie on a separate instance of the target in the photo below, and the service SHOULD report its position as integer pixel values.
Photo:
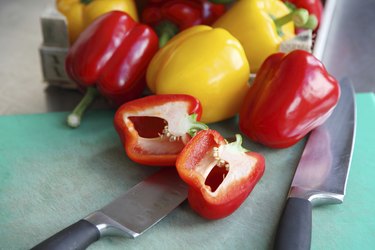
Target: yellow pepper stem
(311, 23)
(299, 17)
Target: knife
(321, 174)
(130, 215)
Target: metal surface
(323, 170)
(349, 49)
(324, 29)
(142, 206)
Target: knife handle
(294, 231)
(77, 236)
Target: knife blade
(321, 174)
(130, 215)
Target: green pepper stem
(195, 125)
(74, 118)
(299, 17)
(166, 30)
(238, 144)
(312, 23)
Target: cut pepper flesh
(154, 129)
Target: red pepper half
(154, 129)
(112, 54)
(220, 175)
(172, 16)
(314, 7)
(291, 95)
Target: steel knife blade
(321, 174)
(130, 215)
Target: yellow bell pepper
(209, 64)
(261, 26)
(80, 13)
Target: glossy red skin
(291, 95)
(183, 13)
(235, 193)
(113, 54)
(314, 7)
(130, 136)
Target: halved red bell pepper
(154, 129)
(172, 16)
(111, 57)
(291, 95)
(220, 175)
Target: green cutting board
(351, 225)
(52, 176)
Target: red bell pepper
(154, 129)
(314, 7)
(220, 175)
(112, 54)
(291, 95)
(172, 16)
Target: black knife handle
(77, 236)
(294, 231)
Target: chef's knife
(321, 174)
(129, 215)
